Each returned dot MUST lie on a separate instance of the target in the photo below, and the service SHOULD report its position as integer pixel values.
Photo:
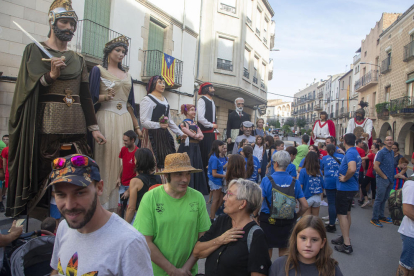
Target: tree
(286, 129)
(274, 123)
(290, 122)
(300, 122)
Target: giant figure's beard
(61, 34)
(239, 109)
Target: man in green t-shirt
(172, 217)
(302, 150)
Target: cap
(247, 124)
(206, 84)
(80, 176)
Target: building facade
(235, 44)
(395, 107)
(304, 104)
(277, 110)
(345, 84)
(232, 53)
(160, 26)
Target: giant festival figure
(51, 110)
(361, 126)
(113, 96)
(322, 129)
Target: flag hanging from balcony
(167, 69)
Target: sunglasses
(78, 161)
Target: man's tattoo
(400, 272)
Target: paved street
(376, 250)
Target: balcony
(383, 110)
(264, 40)
(318, 107)
(357, 58)
(328, 99)
(320, 95)
(409, 51)
(224, 64)
(246, 73)
(258, 32)
(254, 79)
(402, 107)
(386, 65)
(248, 20)
(311, 98)
(367, 81)
(153, 63)
(89, 40)
(227, 8)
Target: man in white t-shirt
(406, 230)
(91, 240)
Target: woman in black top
(235, 244)
(139, 185)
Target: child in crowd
(215, 176)
(322, 150)
(259, 148)
(309, 254)
(50, 224)
(252, 164)
(369, 176)
(311, 180)
(270, 147)
(291, 168)
(223, 159)
(241, 145)
(400, 174)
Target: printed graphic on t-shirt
(315, 185)
(334, 172)
(160, 208)
(72, 268)
(193, 207)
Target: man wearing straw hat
(172, 217)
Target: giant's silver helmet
(62, 9)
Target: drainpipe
(182, 43)
(198, 57)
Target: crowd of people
(141, 199)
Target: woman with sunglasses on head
(235, 244)
(191, 146)
(155, 117)
(112, 93)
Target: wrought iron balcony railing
(369, 78)
(224, 64)
(153, 64)
(248, 20)
(320, 95)
(257, 31)
(246, 73)
(255, 79)
(383, 110)
(403, 106)
(386, 65)
(227, 8)
(90, 38)
(409, 51)
(318, 107)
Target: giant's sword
(34, 40)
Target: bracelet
(136, 127)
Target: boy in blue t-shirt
(347, 185)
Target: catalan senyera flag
(167, 69)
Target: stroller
(30, 255)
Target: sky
(317, 38)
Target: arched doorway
(385, 131)
(406, 139)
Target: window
(228, 5)
(365, 54)
(249, 11)
(258, 22)
(225, 54)
(387, 93)
(246, 63)
(255, 68)
(155, 37)
(265, 27)
(263, 72)
(410, 90)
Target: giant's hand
(228, 140)
(365, 135)
(56, 64)
(99, 138)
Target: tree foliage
(290, 122)
(300, 122)
(286, 129)
(273, 122)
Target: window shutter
(225, 49)
(246, 59)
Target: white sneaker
(365, 204)
(325, 218)
(323, 203)
(336, 222)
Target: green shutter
(155, 42)
(96, 27)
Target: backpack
(395, 206)
(283, 202)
